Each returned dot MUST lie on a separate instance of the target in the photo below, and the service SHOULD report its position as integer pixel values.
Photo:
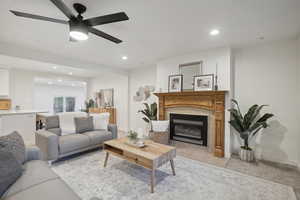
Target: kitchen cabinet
(4, 83)
(25, 124)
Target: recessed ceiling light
(50, 83)
(73, 85)
(59, 80)
(214, 32)
(54, 67)
(124, 57)
(71, 73)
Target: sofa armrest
(48, 144)
(33, 153)
(113, 128)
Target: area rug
(194, 180)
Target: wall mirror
(189, 70)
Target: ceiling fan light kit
(78, 31)
(80, 27)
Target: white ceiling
(157, 29)
(8, 62)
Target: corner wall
(120, 85)
(269, 74)
(138, 78)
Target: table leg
(152, 180)
(173, 166)
(106, 158)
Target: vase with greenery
(248, 125)
(149, 112)
(132, 136)
(90, 103)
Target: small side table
(160, 137)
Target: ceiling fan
(80, 27)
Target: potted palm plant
(150, 113)
(248, 126)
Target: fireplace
(189, 128)
(211, 102)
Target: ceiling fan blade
(38, 17)
(105, 35)
(63, 8)
(106, 19)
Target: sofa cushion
(35, 172)
(10, 170)
(101, 120)
(66, 122)
(98, 136)
(56, 131)
(51, 122)
(69, 143)
(49, 190)
(83, 124)
(14, 143)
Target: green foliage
(90, 103)
(132, 135)
(150, 112)
(250, 124)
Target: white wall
(210, 58)
(44, 95)
(120, 85)
(299, 91)
(269, 74)
(138, 78)
(22, 86)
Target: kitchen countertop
(18, 112)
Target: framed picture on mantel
(204, 82)
(175, 83)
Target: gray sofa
(38, 181)
(54, 145)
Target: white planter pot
(247, 155)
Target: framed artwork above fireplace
(204, 82)
(175, 83)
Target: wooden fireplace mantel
(209, 100)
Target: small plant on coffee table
(132, 135)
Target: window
(70, 104)
(64, 104)
(58, 105)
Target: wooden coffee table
(152, 156)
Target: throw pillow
(10, 170)
(14, 143)
(66, 121)
(101, 120)
(84, 124)
(51, 122)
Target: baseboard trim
(290, 165)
